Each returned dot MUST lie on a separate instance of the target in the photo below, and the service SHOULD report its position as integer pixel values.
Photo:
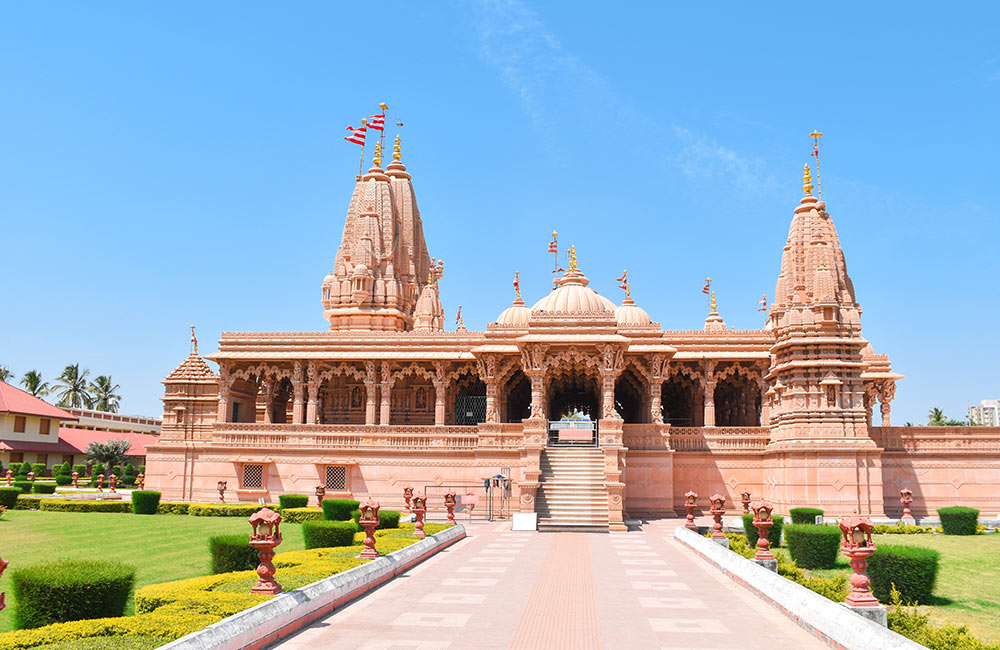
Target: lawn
(161, 547)
(967, 591)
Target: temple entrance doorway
(574, 406)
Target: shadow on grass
(941, 601)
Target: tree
(110, 453)
(32, 382)
(935, 418)
(5, 373)
(72, 388)
(105, 394)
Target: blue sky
(182, 163)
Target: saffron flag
(377, 122)
(559, 270)
(763, 303)
(624, 275)
(357, 136)
(553, 247)
(708, 286)
(458, 316)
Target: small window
(236, 412)
(17, 456)
(43, 459)
(336, 477)
(19, 424)
(253, 477)
(67, 458)
(44, 427)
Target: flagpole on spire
(384, 108)
(361, 162)
(194, 341)
(816, 135)
(707, 290)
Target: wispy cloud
(700, 157)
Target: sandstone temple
(589, 411)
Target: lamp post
(221, 487)
(320, 493)
(690, 498)
(31, 476)
(449, 503)
(762, 521)
(906, 498)
(408, 495)
(718, 509)
(76, 478)
(140, 480)
(10, 477)
(114, 481)
(369, 520)
(745, 499)
(100, 482)
(419, 509)
(265, 537)
(857, 545)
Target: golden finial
(377, 159)
(807, 185)
(397, 150)
(572, 257)
(554, 234)
(383, 106)
(715, 307)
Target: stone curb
(287, 613)
(832, 623)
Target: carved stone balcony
(937, 439)
(346, 436)
(646, 437)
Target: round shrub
(339, 509)
(15, 468)
(388, 519)
(98, 468)
(774, 536)
(23, 469)
(812, 546)
(912, 569)
(958, 520)
(70, 591)
(232, 553)
(805, 515)
(23, 486)
(326, 534)
(8, 497)
(62, 469)
(293, 500)
(44, 488)
(145, 502)
(39, 469)
(63, 479)
(80, 469)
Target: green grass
(161, 547)
(967, 590)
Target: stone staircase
(571, 494)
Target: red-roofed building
(29, 429)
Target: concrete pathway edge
(831, 622)
(287, 613)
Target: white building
(986, 414)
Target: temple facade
(593, 411)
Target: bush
(293, 501)
(97, 468)
(805, 515)
(82, 505)
(388, 519)
(812, 546)
(23, 486)
(145, 502)
(63, 479)
(232, 553)
(8, 497)
(142, 469)
(80, 469)
(339, 509)
(130, 469)
(62, 469)
(326, 534)
(172, 508)
(117, 470)
(70, 591)
(957, 520)
(774, 535)
(39, 469)
(44, 488)
(23, 469)
(300, 515)
(356, 518)
(15, 468)
(912, 569)
(25, 502)
(225, 509)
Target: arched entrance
(517, 398)
(573, 390)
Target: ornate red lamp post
(419, 509)
(320, 493)
(3, 596)
(857, 545)
(31, 476)
(745, 499)
(906, 498)
(449, 503)
(76, 479)
(140, 480)
(762, 521)
(690, 498)
(114, 481)
(221, 487)
(369, 519)
(10, 477)
(718, 509)
(265, 537)
(408, 495)
(100, 482)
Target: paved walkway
(503, 589)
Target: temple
(594, 412)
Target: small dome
(630, 313)
(573, 295)
(360, 270)
(329, 279)
(517, 315)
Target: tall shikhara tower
(819, 436)
(382, 266)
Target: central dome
(573, 295)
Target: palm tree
(5, 373)
(110, 453)
(935, 418)
(32, 382)
(72, 387)
(105, 394)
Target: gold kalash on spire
(397, 149)
(807, 185)
(572, 257)
(377, 158)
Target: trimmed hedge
(8, 497)
(24, 502)
(958, 520)
(23, 486)
(774, 535)
(145, 502)
(172, 508)
(805, 515)
(812, 546)
(232, 553)
(82, 505)
(62, 469)
(293, 501)
(44, 488)
(70, 591)
(388, 519)
(912, 569)
(300, 515)
(39, 469)
(80, 469)
(226, 509)
(326, 534)
(339, 509)
(63, 479)
(15, 468)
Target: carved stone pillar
(370, 384)
(487, 367)
(267, 387)
(224, 383)
(765, 404)
(312, 388)
(537, 395)
(612, 362)
(440, 386)
(298, 389)
(386, 408)
(886, 393)
(533, 364)
(658, 368)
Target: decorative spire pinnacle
(517, 284)
(396, 149)
(377, 158)
(194, 341)
(715, 307)
(625, 285)
(572, 257)
(807, 185)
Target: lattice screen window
(253, 477)
(336, 477)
